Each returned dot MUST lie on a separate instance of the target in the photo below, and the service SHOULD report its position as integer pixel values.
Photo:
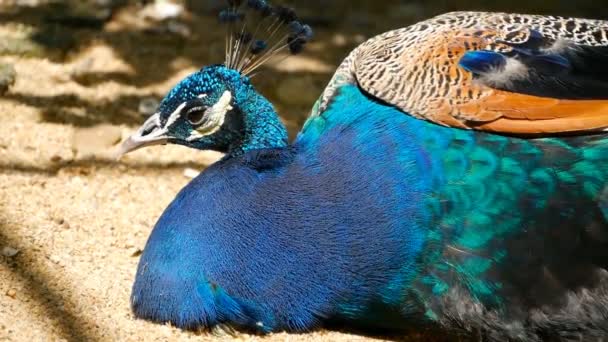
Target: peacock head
(217, 108)
(202, 111)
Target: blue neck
(262, 128)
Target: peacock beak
(150, 133)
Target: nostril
(149, 127)
(147, 130)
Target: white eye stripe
(214, 115)
(194, 109)
(194, 135)
(175, 115)
(177, 112)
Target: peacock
(452, 177)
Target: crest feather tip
(266, 30)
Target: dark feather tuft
(265, 31)
(235, 3)
(285, 14)
(258, 46)
(256, 4)
(307, 32)
(230, 16)
(301, 34)
(296, 44)
(261, 7)
(296, 48)
(295, 27)
(266, 10)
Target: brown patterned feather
(417, 70)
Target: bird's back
(515, 230)
(518, 229)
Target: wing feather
(507, 73)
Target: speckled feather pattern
(416, 68)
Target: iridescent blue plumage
(253, 125)
(374, 218)
(380, 211)
(265, 217)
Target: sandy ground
(72, 220)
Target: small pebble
(191, 173)
(162, 10)
(7, 77)
(136, 252)
(54, 259)
(11, 293)
(9, 251)
(82, 68)
(178, 28)
(129, 244)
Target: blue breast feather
(374, 217)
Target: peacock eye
(196, 115)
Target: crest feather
(257, 31)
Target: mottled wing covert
(508, 73)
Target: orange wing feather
(486, 108)
(520, 113)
